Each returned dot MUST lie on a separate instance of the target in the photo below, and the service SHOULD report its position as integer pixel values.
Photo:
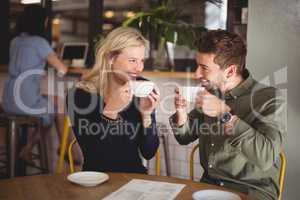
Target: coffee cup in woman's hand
(141, 88)
(150, 102)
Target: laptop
(74, 53)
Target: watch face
(226, 117)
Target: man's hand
(210, 104)
(181, 108)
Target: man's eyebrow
(202, 65)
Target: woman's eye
(132, 60)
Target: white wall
(273, 44)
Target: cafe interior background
(271, 29)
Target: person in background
(113, 127)
(236, 120)
(29, 53)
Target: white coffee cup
(190, 93)
(141, 88)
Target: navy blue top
(110, 145)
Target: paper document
(138, 189)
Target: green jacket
(248, 160)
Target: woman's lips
(133, 75)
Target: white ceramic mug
(141, 88)
(190, 93)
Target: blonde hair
(96, 80)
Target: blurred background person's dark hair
(32, 21)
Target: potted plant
(162, 24)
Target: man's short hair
(229, 48)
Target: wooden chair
(281, 175)
(63, 148)
(71, 160)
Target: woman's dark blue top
(110, 145)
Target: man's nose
(199, 73)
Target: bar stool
(16, 136)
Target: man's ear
(231, 71)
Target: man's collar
(242, 88)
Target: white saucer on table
(215, 195)
(88, 178)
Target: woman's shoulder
(40, 40)
(37, 38)
(81, 97)
(80, 92)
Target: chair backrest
(281, 175)
(71, 160)
(70, 156)
(63, 145)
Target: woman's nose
(140, 66)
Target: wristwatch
(226, 117)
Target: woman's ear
(111, 58)
(110, 62)
(230, 71)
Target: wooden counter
(78, 71)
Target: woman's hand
(117, 100)
(147, 105)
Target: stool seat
(20, 119)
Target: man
(236, 120)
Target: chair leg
(63, 146)
(43, 151)
(22, 131)
(166, 154)
(12, 137)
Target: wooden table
(56, 187)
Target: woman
(29, 53)
(111, 125)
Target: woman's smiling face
(129, 63)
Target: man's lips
(204, 82)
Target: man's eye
(204, 67)
(132, 60)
